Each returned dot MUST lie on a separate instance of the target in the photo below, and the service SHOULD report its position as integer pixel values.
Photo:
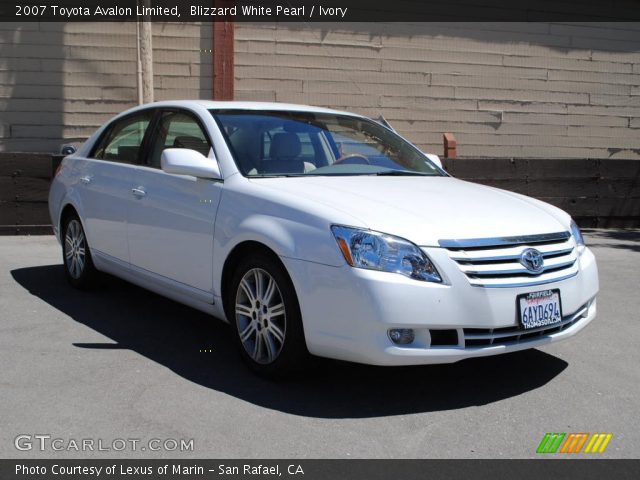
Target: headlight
(386, 253)
(577, 236)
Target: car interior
(276, 146)
(293, 143)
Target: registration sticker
(538, 309)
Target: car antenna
(383, 121)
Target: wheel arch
(67, 210)
(69, 207)
(237, 253)
(70, 200)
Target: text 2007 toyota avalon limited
(314, 231)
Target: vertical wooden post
(223, 55)
(145, 58)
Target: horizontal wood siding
(597, 192)
(24, 188)
(59, 82)
(505, 90)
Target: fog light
(402, 336)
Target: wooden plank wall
(543, 90)
(598, 193)
(24, 188)
(60, 81)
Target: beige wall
(59, 82)
(505, 90)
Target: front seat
(193, 143)
(284, 154)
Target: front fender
(270, 231)
(285, 237)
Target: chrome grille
(482, 337)
(495, 263)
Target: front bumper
(347, 312)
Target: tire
(76, 256)
(264, 313)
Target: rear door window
(123, 140)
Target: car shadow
(200, 350)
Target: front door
(106, 181)
(171, 221)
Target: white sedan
(314, 231)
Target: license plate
(537, 309)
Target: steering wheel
(358, 156)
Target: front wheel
(266, 317)
(78, 264)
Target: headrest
(193, 143)
(285, 146)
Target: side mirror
(183, 161)
(434, 158)
(68, 150)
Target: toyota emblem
(532, 260)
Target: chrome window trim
(502, 241)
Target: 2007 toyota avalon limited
(313, 231)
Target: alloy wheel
(75, 247)
(260, 316)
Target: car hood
(426, 209)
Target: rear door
(105, 184)
(171, 221)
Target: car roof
(239, 105)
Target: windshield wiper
(402, 173)
(277, 175)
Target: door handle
(138, 192)
(86, 179)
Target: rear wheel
(266, 317)
(78, 264)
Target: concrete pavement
(123, 363)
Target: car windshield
(291, 143)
